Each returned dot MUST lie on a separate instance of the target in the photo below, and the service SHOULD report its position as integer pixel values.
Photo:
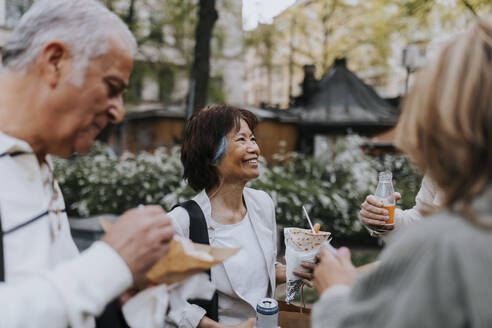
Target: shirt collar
(10, 144)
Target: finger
(158, 237)
(374, 201)
(308, 283)
(372, 219)
(308, 265)
(304, 275)
(397, 196)
(166, 234)
(147, 210)
(158, 220)
(326, 257)
(344, 256)
(374, 209)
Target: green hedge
(332, 187)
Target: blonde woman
(438, 273)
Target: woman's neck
(227, 204)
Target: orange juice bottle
(386, 193)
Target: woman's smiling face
(240, 162)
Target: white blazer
(261, 211)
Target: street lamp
(412, 60)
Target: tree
(318, 31)
(200, 70)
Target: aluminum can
(267, 313)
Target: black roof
(340, 98)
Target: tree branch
(469, 6)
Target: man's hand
(333, 270)
(140, 236)
(373, 215)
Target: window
(15, 9)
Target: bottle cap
(386, 175)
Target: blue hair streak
(220, 151)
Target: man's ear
(53, 60)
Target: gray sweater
(435, 273)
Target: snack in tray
(316, 227)
(301, 245)
(183, 260)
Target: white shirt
(48, 284)
(255, 271)
(261, 212)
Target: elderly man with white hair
(65, 69)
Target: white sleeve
(190, 315)
(425, 200)
(70, 295)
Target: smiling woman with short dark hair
(205, 143)
(220, 155)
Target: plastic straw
(307, 217)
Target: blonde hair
(446, 124)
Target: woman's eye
(241, 139)
(253, 139)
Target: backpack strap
(199, 234)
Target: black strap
(34, 219)
(2, 269)
(199, 234)
(112, 317)
(16, 153)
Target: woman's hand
(280, 275)
(373, 215)
(307, 277)
(333, 270)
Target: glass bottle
(385, 192)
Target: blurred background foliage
(331, 187)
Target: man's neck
(18, 111)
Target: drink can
(267, 313)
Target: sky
(262, 11)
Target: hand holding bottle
(377, 211)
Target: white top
(261, 213)
(48, 284)
(256, 274)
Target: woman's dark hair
(204, 133)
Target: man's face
(80, 113)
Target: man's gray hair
(82, 25)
